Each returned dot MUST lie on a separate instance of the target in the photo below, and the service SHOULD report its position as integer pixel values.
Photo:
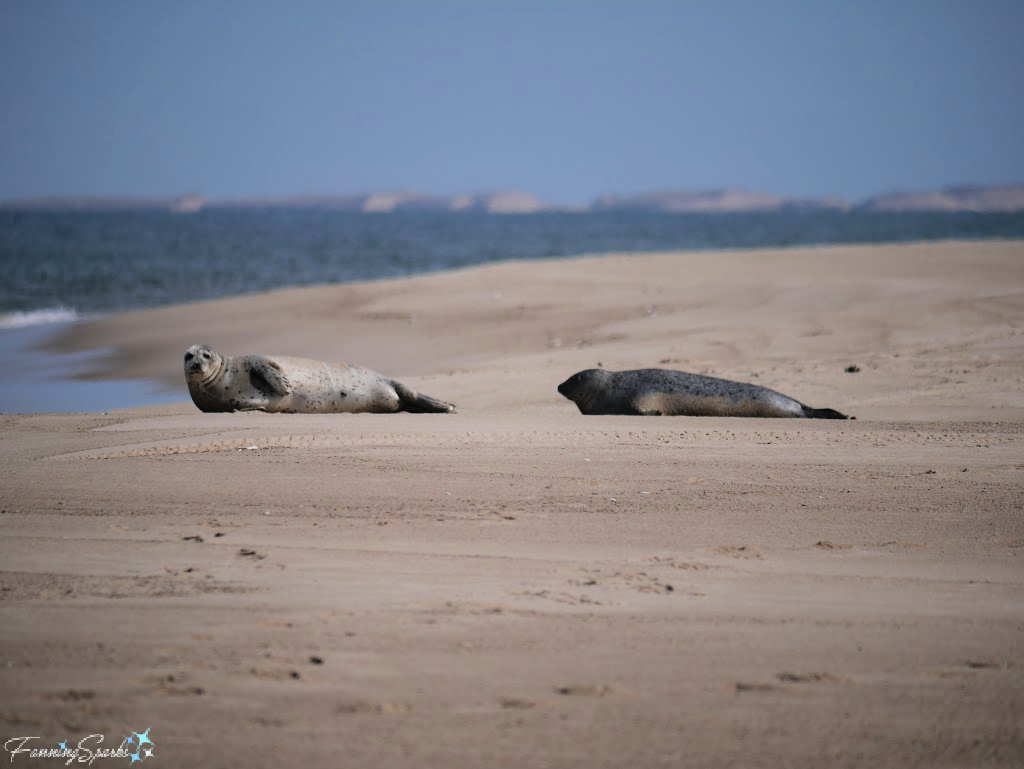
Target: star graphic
(149, 752)
(129, 739)
(63, 745)
(135, 757)
(144, 737)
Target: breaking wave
(43, 317)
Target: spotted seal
(295, 385)
(659, 392)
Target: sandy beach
(518, 585)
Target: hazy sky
(566, 100)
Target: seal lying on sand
(295, 385)
(658, 392)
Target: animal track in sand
(743, 686)
(677, 563)
(640, 581)
(276, 674)
(372, 708)
(810, 678)
(268, 721)
(172, 685)
(71, 695)
(644, 580)
(16, 719)
(584, 690)
(741, 551)
(824, 544)
(516, 702)
(991, 664)
(77, 709)
(787, 677)
(24, 586)
(961, 674)
(433, 612)
(559, 596)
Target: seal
(660, 392)
(295, 385)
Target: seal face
(660, 392)
(295, 385)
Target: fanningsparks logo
(87, 750)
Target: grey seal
(295, 385)
(660, 392)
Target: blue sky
(566, 100)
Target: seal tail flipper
(417, 403)
(822, 413)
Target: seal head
(584, 388)
(202, 364)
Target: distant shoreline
(1006, 198)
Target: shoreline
(50, 382)
(535, 312)
(68, 362)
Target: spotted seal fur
(295, 385)
(660, 392)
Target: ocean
(62, 267)
(65, 266)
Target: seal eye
(206, 355)
(188, 356)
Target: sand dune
(518, 585)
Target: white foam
(37, 318)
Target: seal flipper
(267, 377)
(822, 413)
(417, 403)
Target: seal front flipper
(417, 403)
(268, 377)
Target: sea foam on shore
(24, 319)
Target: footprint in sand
(72, 695)
(990, 664)
(584, 690)
(741, 551)
(372, 708)
(809, 678)
(788, 677)
(169, 686)
(516, 703)
(742, 686)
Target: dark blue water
(58, 266)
